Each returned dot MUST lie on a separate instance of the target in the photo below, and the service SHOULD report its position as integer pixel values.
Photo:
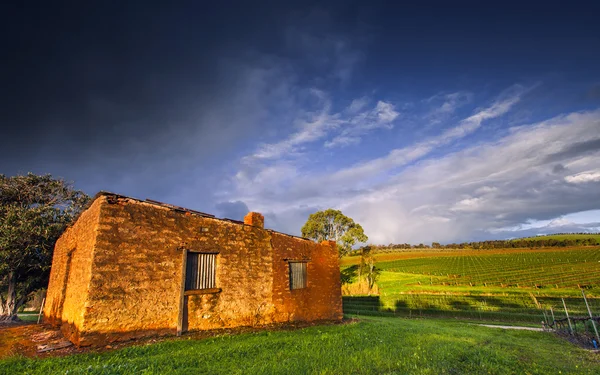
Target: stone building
(130, 268)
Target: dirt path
(512, 327)
(24, 339)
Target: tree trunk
(11, 305)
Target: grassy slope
(374, 345)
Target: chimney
(255, 219)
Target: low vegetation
(371, 346)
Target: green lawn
(371, 346)
(28, 317)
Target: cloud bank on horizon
(421, 129)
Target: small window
(297, 275)
(200, 271)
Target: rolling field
(517, 285)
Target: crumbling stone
(117, 274)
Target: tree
(333, 225)
(34, 211)
(367, 267)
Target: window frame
(293, 279)
(209, 265)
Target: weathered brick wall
(322, 298)
(137, 273)
(71, 272)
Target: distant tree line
(568, 234)
(541, 241)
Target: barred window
(200, 271)
(297, 275)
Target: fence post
(41, 310)
(591, 316)
(568, 319)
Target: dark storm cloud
(88, 83)
(232, 210)
(133, 96)
(558, 168)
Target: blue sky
(423, 123)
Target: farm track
(512, 327)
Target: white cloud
(319, 124)
(357, 105)
(312, 127)
(402, 156)
(468, 204)
(517, 166)
(583, 177)
(385, 112)
(559, 222)
(486, 189)
(358, 124)
(445, 105)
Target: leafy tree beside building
(333, 225)
(34, 211)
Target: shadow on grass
(348, 275)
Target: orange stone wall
(134, 283)
(71, 273)
(321, 299)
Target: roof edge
(104, 193)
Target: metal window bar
(200, 271)
(297, 275)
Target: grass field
(371, 346)
(515, 284)
(28, 317)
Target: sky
(429, 122)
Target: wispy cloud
(444, 105)
(312, 126)
(416, 195)
(488, 190)
(363, 172)
(322, 124)
(402, 156)
(382, 116)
